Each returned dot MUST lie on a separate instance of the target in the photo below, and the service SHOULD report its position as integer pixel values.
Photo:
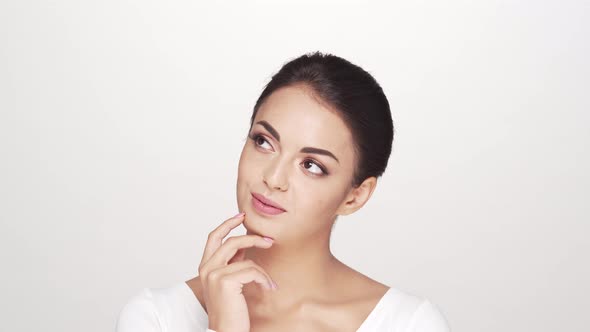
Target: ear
(357, 197)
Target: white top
(176, 309)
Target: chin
(254, 223)
(251, 222)
(257, 225)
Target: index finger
(215, 239)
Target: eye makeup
(322, 168)
(275, 134)
(256, 138)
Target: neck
(302, 271)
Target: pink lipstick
(265, 206)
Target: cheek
(242, 173)
(245, 165)
(319, 199)
(247, 171)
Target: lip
(265, 205)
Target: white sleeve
(139, 314)
(428, 318)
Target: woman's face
(299, 154)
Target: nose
(275, 176)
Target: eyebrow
(306, 149)
(270, 129)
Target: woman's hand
(223, 272)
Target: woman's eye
(314, 168)
(259, 140)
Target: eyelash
(255, 137)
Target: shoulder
(173, 308)
(139, 314)
(401, 311)
(428, 318)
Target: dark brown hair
(354, 94)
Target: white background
(122, 122)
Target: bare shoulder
(357, 285)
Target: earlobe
(358, 196)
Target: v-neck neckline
(369, 318)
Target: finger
(238, 257)
(215, 238)
(239, 266)
(245, 276)
(231, 246)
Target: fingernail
(268, 239)
(274, 286)
(238, 215)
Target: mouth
(265, 206)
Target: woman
(320, 136)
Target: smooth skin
(223, 274)
(316, 292)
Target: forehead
(302, 120)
